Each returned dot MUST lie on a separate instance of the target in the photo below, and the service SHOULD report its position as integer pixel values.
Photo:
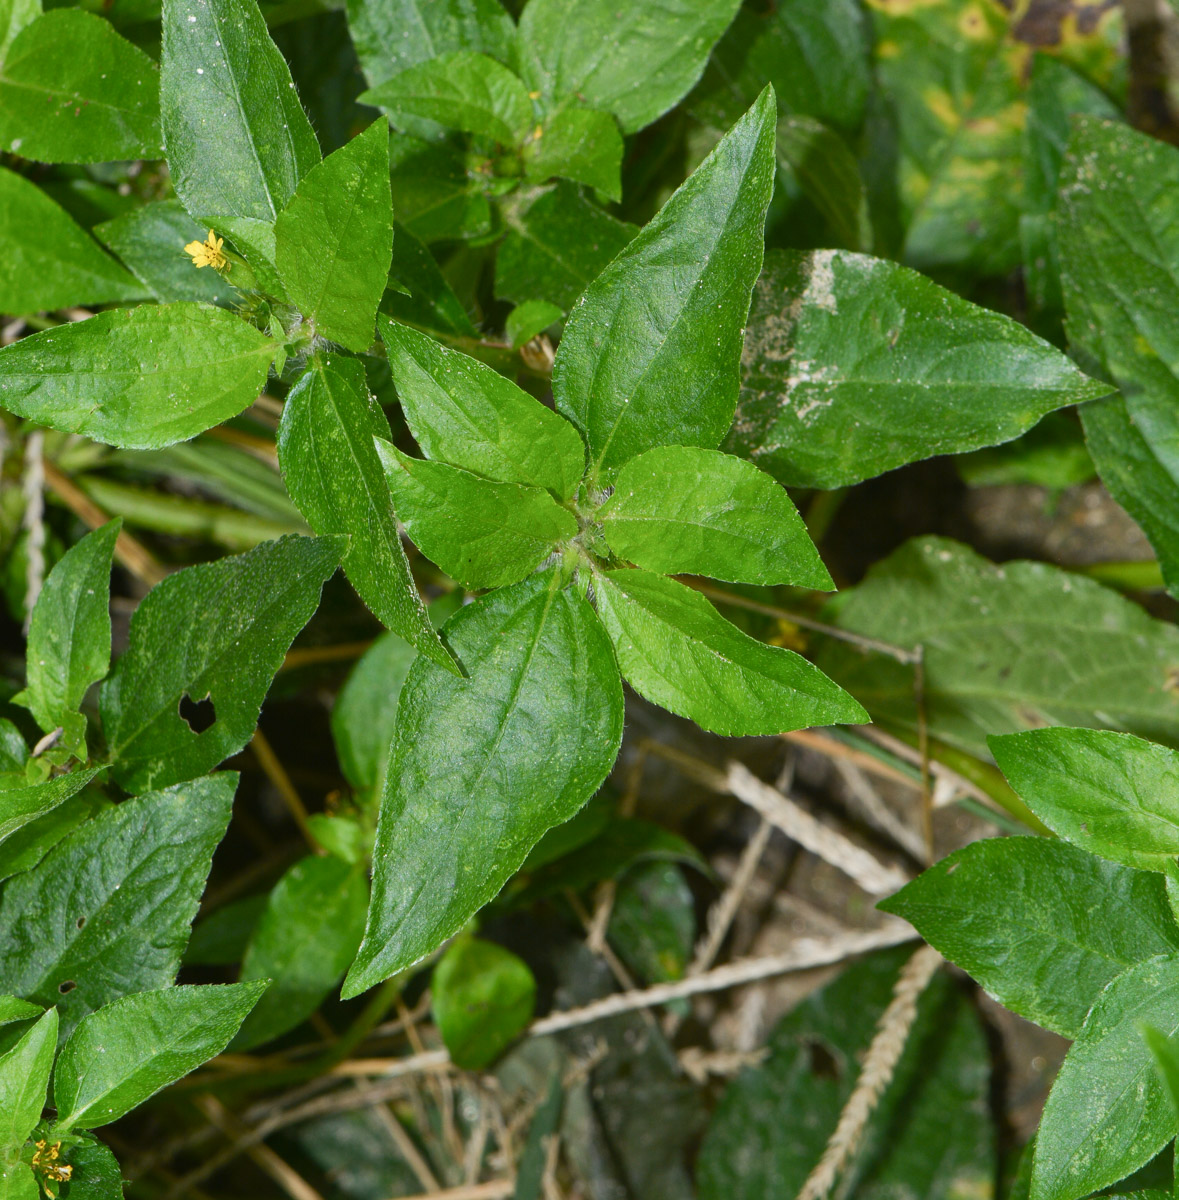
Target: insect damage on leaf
(208, 253)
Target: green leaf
(69, 645)
(482, 533)
(774, 1121)
(128, 1050)
(431, 300)
(24, 1081)
(653, 922)
(481, 767)
(482, 997)
(221, 938)
(237, 138)
(463, 413)
(24, 849)
(1005, 648)
(96, 1171)
(102, 93)
(20, 806)
(17, 1182)
(814, 52)
(651, 352)
(827, 172)
(49, 261)
(303, 944)
(677, 651)
(12, 1009)
(333, 472)
(854, 366)
(333, 241)
(1165, 1052)
(555, 246)
(655, 52)
(530, 319)
(14, 16)
(150, 242)
(582, 144)
(462, 90)
(683, 510)
(1119, 247)
(216, 632)
(254, 241)
(139, 378)
(365, 710)
(107, 911)
(391, 35)
(433, 195)
(1109, 793)
(1041, 925)
(1107, 1114)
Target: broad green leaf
(1041, 925)
(854, 366)
(481, 767)
(17, 1182)
(827, 172)
(482, 533)
(1165, 1052)
(1108, 1114)
(69, 643)
(650, 353)
(14, 16)
(636, 60)
(304, 942)
(333, 241)
(23, 850)
(237, 139)
(582, 144)
(433, 195)
(12, 1009)
(677, 651)
(1056, 94)
(462, 90)
(530, 319)
(683, 510)
(214, 633)
(150, 242)
(107, 911)
(21, 806)
(391, 35)
(1118, 226)
(814, 52)
(102, 92)
(139, 378)
(1006, 648)
(463, 413)
(431, 300)
(1109, 793)
(653, 922)
(24, 1081)
(49, 261)
(333, 472)
(930, 1134)
(220, 939)
(118, 1057)
(555, 246)
(365, 710)
(482, 996)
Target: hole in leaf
(198, 715)
(81, 922)
(823, 1064)
(67, 985)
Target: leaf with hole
(251, 607)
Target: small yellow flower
(208, 253)
(46, 1164)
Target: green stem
(1145, 576)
